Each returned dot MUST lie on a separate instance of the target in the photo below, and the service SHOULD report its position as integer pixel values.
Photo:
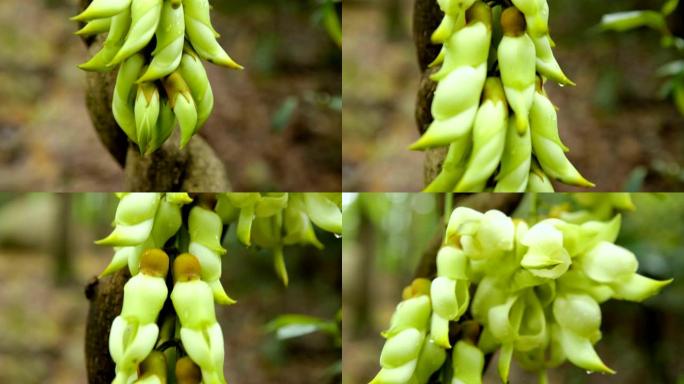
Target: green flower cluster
(537, 291)
(147, 224)
(477, 91)
(274, 220)
(162, 83)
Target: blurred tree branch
(195, 168)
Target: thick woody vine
(526, 287)
(485, 64)
(152, 314)
(145, 78)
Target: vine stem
(448, 207)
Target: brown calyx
(187, 372)
(186, 267)
(154, 262)
(513, 22)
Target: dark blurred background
(47, 256)
(621, 133)
(386, 234)
(276, 125)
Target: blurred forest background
(276, 125)
(47, 256)
(621, 133)
(386, 234)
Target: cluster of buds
(149, 224)
(493, 113)
(537, 295)
(155, 91)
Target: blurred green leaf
(636, 179)
(671, 69)
(678, 95)
(283, 116)
(669, 7)
(625, 21)
(328, 17)
(293, 325)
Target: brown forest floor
(612, 120)
(47, 141)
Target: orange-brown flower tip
(512, 22)
(481, 12)
(187, 372)
(418, 287)
(186, 267)
(154, 364)
(154, 262)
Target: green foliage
(672, 72)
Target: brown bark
(426, 17)
(106, 298)
(196, 168)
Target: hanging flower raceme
(274, 220)
(538, 290)
(157, 46)
(146, 226)
(501, 128)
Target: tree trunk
(196, 168)
(106, 298)
(426, 18)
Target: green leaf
(672, 68)
(669, 7)
(625, 21)
(283, 116)
(293, 325)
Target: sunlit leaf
(625, 21)
(292, 326)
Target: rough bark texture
(106, 298)
(197, 168)
(426, 17)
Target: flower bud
(609, 263)
(430, 360)
(580, 351)
(454, 106)
(579, 313)
(468, 364)
(153, 369)
(187, 372)
(468, 46)
(99, 9)
(638, 288)
(134, 219)
(144, 297)
(145, 16)
(546, 257)
(516, 54)
(200, 334)
(516, 160)
(489, 137)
